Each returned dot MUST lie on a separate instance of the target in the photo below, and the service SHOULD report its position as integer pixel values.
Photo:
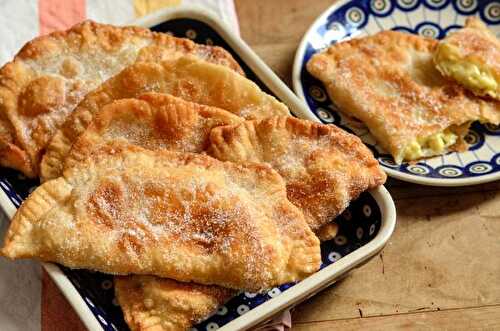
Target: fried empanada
(157, 121)
(154, 121)
(389, 82)
(52, 74)
(471, 56)
(152, 303)
(187, 78)
(183, 216)
(323, 166)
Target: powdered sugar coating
(154, 121)
(323, 166)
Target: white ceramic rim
(306, 288)
(297, 87)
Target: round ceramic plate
(430, 18)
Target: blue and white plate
(430, 18)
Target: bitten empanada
(390, 83)
(323, 166)
(152, 303)
(154, 121)
(52, 74)
(183, 216)
(187, 78)
(471, 56)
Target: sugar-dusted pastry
(183, 216)
(471, 56)
(157, 121)
(154, 121)
(323, 166)
(389, 82)
(187, 78)
(152, 303)
(52, 74)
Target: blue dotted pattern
(357, 225)
(341, 24)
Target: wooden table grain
(441, 268)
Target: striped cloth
(22, 20)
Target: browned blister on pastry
(390, 83)
(471, 56)
(52, 74)
(187, 78)
(158, 304)
(183, 216)
(154, 121)
(323, 166)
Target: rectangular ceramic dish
(364, 228)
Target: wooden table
(441, 268)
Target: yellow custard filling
(475, 76)
(428, 146)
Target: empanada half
(390, 83)
(187, 78)
(471, 56)
(52, 74)
(183, 216)
(323, 166)
(158, 304)
(154, 121)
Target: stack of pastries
(163, 165)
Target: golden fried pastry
(183, 216)
(53, 73)
(389, 82)
(187, 78)
(152, 303)
(153, 121)
(471, 56)
(157, 121)
(323, 166)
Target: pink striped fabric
(59, 14)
